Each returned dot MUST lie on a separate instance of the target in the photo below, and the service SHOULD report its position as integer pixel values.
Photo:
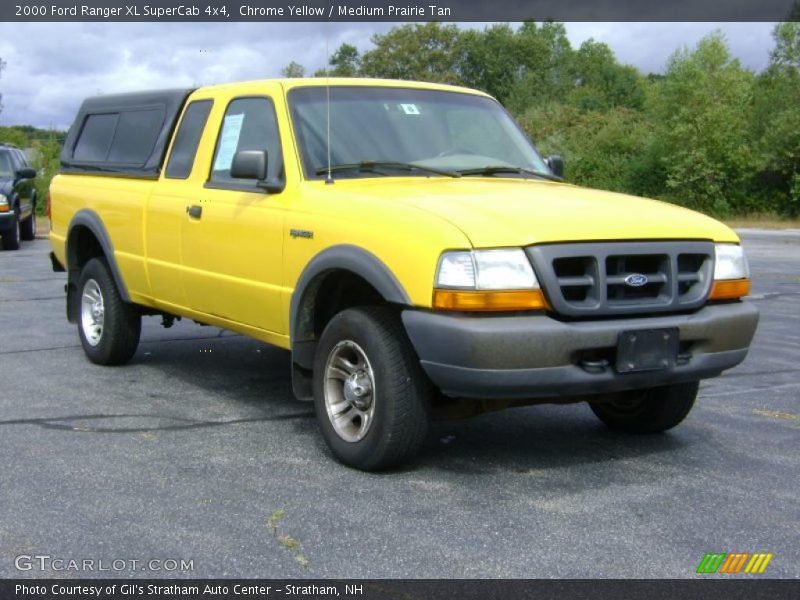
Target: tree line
(708, 133)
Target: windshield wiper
(369, 166)
(497, 169)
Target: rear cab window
(187, 139)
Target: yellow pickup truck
(405, 241)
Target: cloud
(52, 67)
(648, 46)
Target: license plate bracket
(647, 350)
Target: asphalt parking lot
(188, 451)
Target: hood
(495, 212)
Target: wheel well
(329, 293)
(338, 291)
(326, 295)
(82, 246)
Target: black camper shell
(123, 134)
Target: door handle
(195, 211)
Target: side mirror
(556, 164)
(26, 173)
(250, 164)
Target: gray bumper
(536, 356)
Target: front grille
(606, 279)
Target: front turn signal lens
(731, 289)
(489, 301)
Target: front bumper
(536, 356)
(6, 221)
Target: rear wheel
(28, 227)
(650, 410)
(12, 236)
(109, 328)
(370, 394)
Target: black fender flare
(340, 257)
(90, 220)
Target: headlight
(3, 203)
(731, 273)
(487, 280)
(730, 262)
(507, 269)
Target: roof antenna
(329, 178)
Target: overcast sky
(51, 67)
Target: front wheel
(371, 396)
(651, 410)
(109, 328)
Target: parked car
(408, 245)
(17, 197)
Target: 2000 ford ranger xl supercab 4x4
(408, 245)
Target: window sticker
(410, 109)
(228, 141)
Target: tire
(108, 327)
(27, 228)
(11, 238)
(382, 398)
(652, 410)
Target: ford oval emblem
(636, 280)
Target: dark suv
(17, 197)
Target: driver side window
(248, 124)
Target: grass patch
(764, 221)
(287, 541)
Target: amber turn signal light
(472, 300)
(732, 289)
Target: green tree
(602, 149)
(13, 135)
(544, 69)
(775, 124)
(787, 45)
(704, 147)
(47, 163)
(346, 62)
(427, 52)
(601, 82)
(489, 60)
(293, 70)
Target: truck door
(167, 208)
(231, 240)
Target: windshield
(6, 169)
(448, 131)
